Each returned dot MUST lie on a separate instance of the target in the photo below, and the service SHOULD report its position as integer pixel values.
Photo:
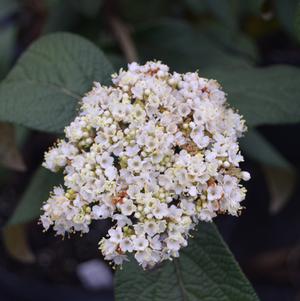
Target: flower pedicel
(156, 152)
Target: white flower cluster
(156, 152)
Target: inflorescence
(156, 152)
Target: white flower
(174, 212)
(151, 228)
(184, 109)
(116, 235)
(173, 244)
(199, 138)
(108, 247)
(58, 157)
(132, 150)
(127, 207)
(229, 183)
(155, 242)
(135, 164)
(160, 210)
(126, 245)
(147, 257)
(188, 206)
(206, 215)
(214, 192)
(111, 172)
(100, 212)
(105, 160)
(122, 220)
(193, 191)
(46, 221)
(140, 243)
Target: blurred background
(188, 35)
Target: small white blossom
(126, 245)
(140, 243)
(116, 235)
(127, 207)
(100, 212)
(214, 192)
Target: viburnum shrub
(156, 152)
(146, 159)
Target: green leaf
(236, 43)
(263, 95)
(205, 271)
(36, 193)
(43, 89)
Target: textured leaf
(204, 271)
(36, 193)
(263, 95)
(43, 89)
